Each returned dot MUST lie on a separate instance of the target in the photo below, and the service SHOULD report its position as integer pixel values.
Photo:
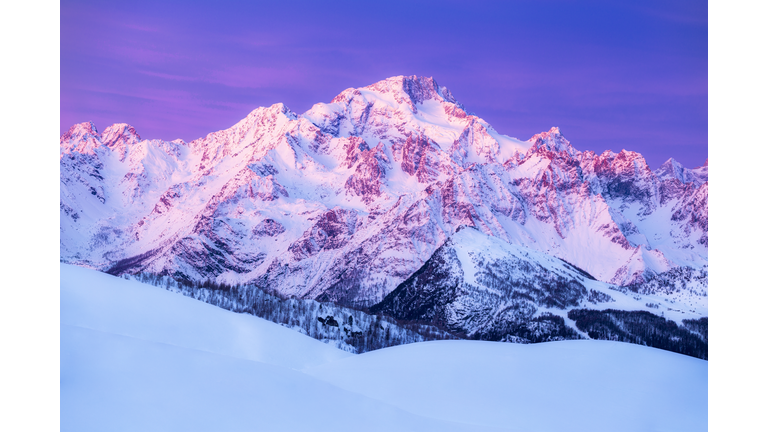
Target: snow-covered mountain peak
(394, 109)
(417, 89)
(81, 138)
(258, 114)
(553, 141)
(119, 137)
(671, 162)
(403, 164)
(118, 131)
(623, 164)
(281, 108)
(672, 169)
(80, 129)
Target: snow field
(137, 357)
(553, 386)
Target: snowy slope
(137, 357)
(344, 202)
(481, 287)
(553, 386)
(104, 303)
(118, 383)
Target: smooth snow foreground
(137, 357)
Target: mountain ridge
(347, 200)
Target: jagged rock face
(81, 138)
(369, 175)
(692, 213)
(268, 228)
(429, 293)
(331, 231)
(119, 138)
(349, 199)
(420, 158)
(671, 169)
(479, 286)
(624, 176)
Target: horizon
(611, 77)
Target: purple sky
(612, 75)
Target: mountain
(481, 287)
(347, 200)
(139, 357)
(394, 197)
(672, 169)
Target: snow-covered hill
(106, 304)
(346, 201)
(485, 288)
(139, 357)
(351, 330)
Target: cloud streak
(600, 68)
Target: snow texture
(138, 357)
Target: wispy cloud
(602, 69)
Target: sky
(612, 75)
